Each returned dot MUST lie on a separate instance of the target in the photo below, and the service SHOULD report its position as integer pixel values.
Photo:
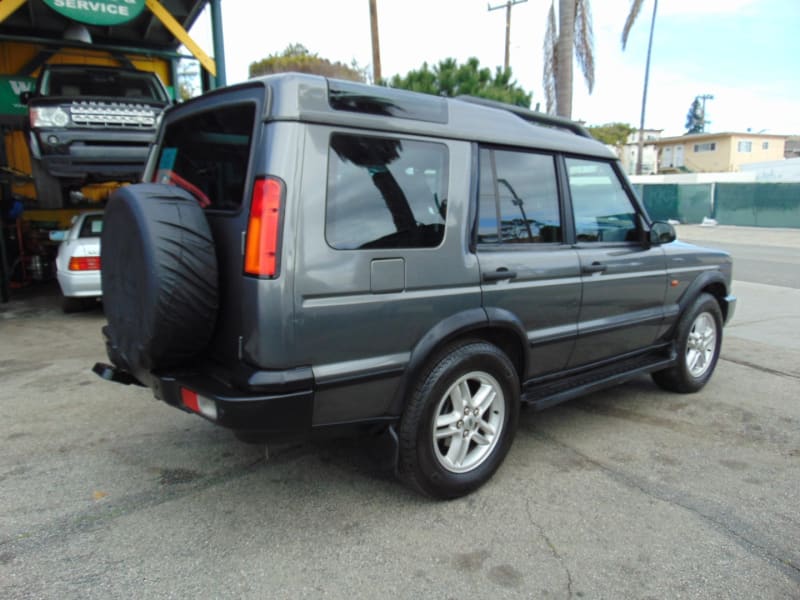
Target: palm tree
(574, 33)
(636, 7)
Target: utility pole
(376, 44)
(705, 97)
(507, 6)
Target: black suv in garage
(90, 124)
(310, 253)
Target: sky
(743, 52)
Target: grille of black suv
(87, 113)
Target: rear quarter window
(385, 193)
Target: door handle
(499, 275)
(595, 267)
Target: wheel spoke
(460, 396)
(486, 427)
(446, 432)
(481, 439)
(483, 398)
(458, 451)
(447, 419)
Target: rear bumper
(79, 284)
(274, 408)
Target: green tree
(448, 78)
(613, 134)
(297, 58)
(572, 33)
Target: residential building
(628, 153)
(717, 152)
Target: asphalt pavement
(628, 493)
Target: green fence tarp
(758, 204)
(685, 203)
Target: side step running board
(551, 393)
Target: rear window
(92, 226)
(207, 155)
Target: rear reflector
(263, 229)
(199, 404)
(84, 263)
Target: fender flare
(698, 285)
(459, 325)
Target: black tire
(697, 359)
(159, 277)
(49, 191)
(424, 462)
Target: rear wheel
(698, 343)
(460, 421)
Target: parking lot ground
(628, 493)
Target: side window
(603, 211)
(518, 198)
(385, 193)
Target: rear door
(528, 272)
(624, 283)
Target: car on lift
(78, 261)
(90, 124)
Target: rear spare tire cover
(159, 277)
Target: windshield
(105, 83)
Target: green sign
(98, 12)
(11, 87)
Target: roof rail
(530, 115)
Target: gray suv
(309, 254)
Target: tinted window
(385, 193)
(207, 154)
(92, 226)
(603, 211)
(518, 198)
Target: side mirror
(662, 233)
(59, 235)
(25, 97)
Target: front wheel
(460, 421)
(698, 343)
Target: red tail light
(84, 263)
(263, 229)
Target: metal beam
(9, 7)
(181, 35)
(219, 43)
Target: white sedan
(78, 261)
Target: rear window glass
(385, 193)
(92, 226)
(207, 155)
